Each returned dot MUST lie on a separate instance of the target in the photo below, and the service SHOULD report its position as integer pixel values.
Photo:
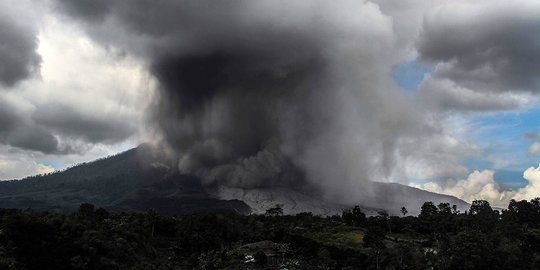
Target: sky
(439, 95)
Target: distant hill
(390, 197)
(393, 196)
(135, 180)
(140, 179)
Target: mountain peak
(141, 178)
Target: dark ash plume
(223, 109)
(262, 93)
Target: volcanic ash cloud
(263, 93)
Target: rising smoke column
(222, 108)
(262, 93)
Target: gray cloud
(78, 119)
(54, 128)
(91, 10)
(18, 44)
(531, 135)
(69, 122)
(31, 137)
(17, 131)
(8, 117)
(534, 149)
(485, 46)
(446, 95)
(534, 137)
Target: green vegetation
(439, 238)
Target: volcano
(141, 179)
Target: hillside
(135, 180)
(139, 179)
(390, 197)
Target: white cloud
(86, 93)
(481, 185)
(532, 189)
(89, 100)
(13, 169)
(435, 154)
(14, 165)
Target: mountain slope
(391, 197)
(135, 180)
(140, 179)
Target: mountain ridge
(141, 178)
(117, 183)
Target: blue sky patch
(501, 136)
(505, 144)
(408, 76)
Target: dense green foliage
(439, 238)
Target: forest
(440, 237)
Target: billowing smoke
(223, 108)
(263, 93)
